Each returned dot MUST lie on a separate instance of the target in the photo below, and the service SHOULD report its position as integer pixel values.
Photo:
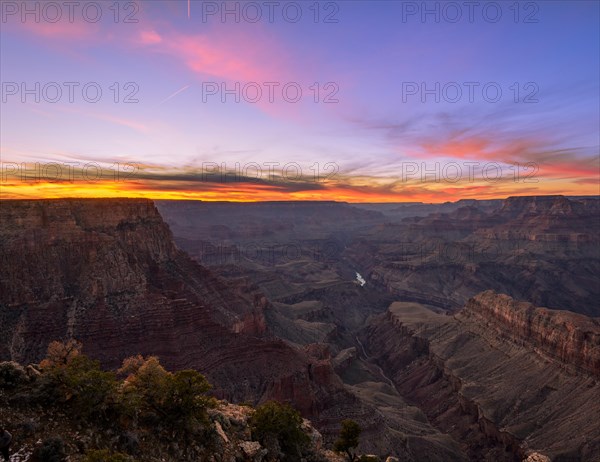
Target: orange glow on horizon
(428, 192)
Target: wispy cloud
(172, 95)
(106, 117)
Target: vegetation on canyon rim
(348, 440)
(140, 397)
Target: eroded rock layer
(569, 339)
(504, 378)
(543, 249)
(106, 271)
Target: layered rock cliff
(504, 378)
(106, 271)
(570, 339)
(85, 263)
(540, 249)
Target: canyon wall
(69, 266)
(106, 272)
(504, 378)
(541, 249)
(569, 339)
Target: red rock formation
(502, 377)
(569, 338)
(106, 272)
(541, 249)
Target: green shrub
(71, 378)
(348, 439)
(143, 391)
(172, 404)
(84, 385)
(185, 396)
(155, 396)
(281, 423)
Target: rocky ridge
(569, 339)
(505, 378)
(106, 272)
(541, 249)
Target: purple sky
(386, 77)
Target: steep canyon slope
(106, 271)
(540, 249)
(506, 378)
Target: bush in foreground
(279, 424)
(12, 375)
(79, 382)
(348, 439)
(154, 396)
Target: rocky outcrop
(106, 271)
(506, 379)
(570, 339)
(235, 437)
(545, 219)
(227, 436)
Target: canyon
(107, 273)
(506, 378)
(441, 351)
(525, 247)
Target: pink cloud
(523, 151)
(241, 55)
(483, 147)
(574, 169)
(149, 37)
(225, 54)
(230, 55)
(62, 30)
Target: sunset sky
(396, 104)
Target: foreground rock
(229, 440)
